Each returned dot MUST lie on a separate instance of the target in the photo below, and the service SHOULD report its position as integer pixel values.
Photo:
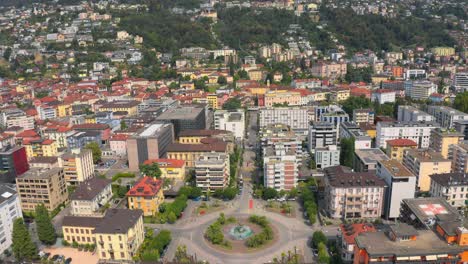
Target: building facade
(298, 118)
(77, 165)
(10, 209)
(146, 195)
(91, 196)
(451, 186)
(230, 120)
(419, 132)
(212, 171)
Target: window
(120, 238)
(122, 255)
(66, 229)
(121, 246)
(103, 254)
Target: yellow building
(443, 51)
(78, 165)
(64, 110)
(170, 168)
(42, 186)
(396, 148)
(320, 96)
(441, 139)
(191, 152)
(338, 95)
(118, 235)
(258, 90)
(131, 107)
(146, 195)
(205, 136)
(377, 79)
(90, 119)
(282, 97)
(256, 75)
(59, 134)
(41, 148)
(212, 101)
(424, 163)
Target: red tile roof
(146, 186)
(401, 142)
(167, 163)
(27, 133)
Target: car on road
(68, 260)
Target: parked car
(68, 260)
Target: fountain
(240, 232)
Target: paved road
(293, 233)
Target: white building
(352, 130)
(408, 113)
(10, 209)
(231, 120)
(298, 118)
(90, 197)
(460, 81)
(419, 132)
(352, 195)
(77, 165)
(401, 184)
(445, 115)
(415, 74)
(16, 117)
(383, 96)
(280, 169)
(419, 90)
(322, 134)
(328, 156)
(47, 112)
(451, 186)
(212, 171)
(459, 156)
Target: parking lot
(77, 256)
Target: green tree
(222, 80)
(269, 193)
(461, 102)
(347, 152)
(123, 125)
(355, 102)
(45, 229)
(232, 103)
(23, 247)
(171, 218)
(7, 54)
(151, 170)
(323, 256)
(95, 150)
(318, 237)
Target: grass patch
(122, 175)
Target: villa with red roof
(146, 195)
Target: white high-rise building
(419, 90)
(280, 169)
(297, 118)
(10, 209)
(419, 132)
(231, 120)
(460, 81)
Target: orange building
(146, 195)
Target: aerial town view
(233, 131)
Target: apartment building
(408, 113)
(451, 186)
(442, 139)
(366, 115)
(322, 134)
(212, 171)
(298, 118)
(419, 132)
(348, 233)
(41, 148)
(462, 127)
(460, 81)
(150, 142)
(16, 117)
(90, 197)
(282, 97)
(446, 116)
(231, 120)
(353, 195)
(367, 159)
(130, 107)
(118, 234)
(383, 96)
(329, 70)
(280, 169)
(281, 137)
(424, 163)
(146, 195)
(396, 148)
(331, 114)
(59, 134)
(171, 169)
(77, 165)
(401, 184)
(419, 90)
(327, 156)
(10, 209)
(353, 130)
(46, 186)
(458, 154)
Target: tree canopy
(232, 104)
(45, 229)
(23, 246)
(95, 150)
(151, 170)
(461, 102)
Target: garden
(240, 235)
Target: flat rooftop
(396, 168)
(450, 179)
(369, 156)
(181, 112)
(429, 207)
(40, 173)
(426, 155)
(378, 244)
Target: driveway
(78, 257)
